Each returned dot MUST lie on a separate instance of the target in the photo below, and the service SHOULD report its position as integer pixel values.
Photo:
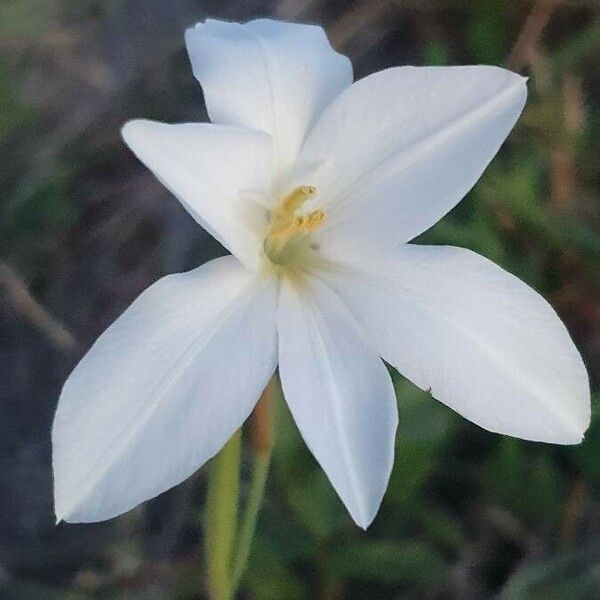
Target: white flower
(315, 184)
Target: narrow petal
(212, 170)
(476, 337)
(401, 147)
(162, 389)
(340, 395)
(268, 75)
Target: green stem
(221, 518)
(257, 489)
(262, 443)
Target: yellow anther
(287, 230)
(315, 218)
(296, 198)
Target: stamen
(287, 230)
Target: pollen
(288, 230)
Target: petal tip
(59, 514)
(131, 130)
(572, 440)
(362, 514)
(193, 29)
(578, 436)
(131, 127)
(364, 522)
(136, 131)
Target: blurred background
(84, 228)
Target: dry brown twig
(17, 295)
(353, 20)
(530, 34)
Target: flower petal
(268, 75)
(211, 169)
(340, 395)
(476, 337)
(401, 147)
(162, 389)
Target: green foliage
(424, 428)
(436, 53)
(524, 480)
(46, 207)
(27, 18)
(269, 577)
(388, 562)
(14, 114)
(574, 575)
(587, 456)
(583, 44)
(488, 33)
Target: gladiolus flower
(315, 184)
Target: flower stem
(223, 574)
(221, 517)
(261, 439)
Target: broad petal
(162, 389)
(340, 395)
(214, 171)
(476, 337)
(268, 75)
(398, 149)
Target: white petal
(401, 147)
(272, 76)
(211, 169)
(478, 338)
(340, 395)
(162, 389)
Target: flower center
(288, 231)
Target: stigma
(289, 229)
